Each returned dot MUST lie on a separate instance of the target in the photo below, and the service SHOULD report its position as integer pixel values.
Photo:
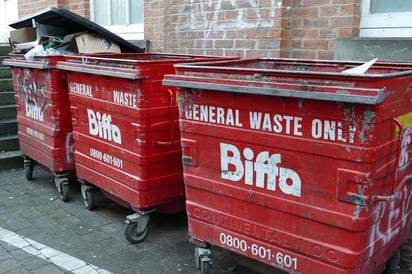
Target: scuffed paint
(360, 201)
(367, 124)
(69, 148)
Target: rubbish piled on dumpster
(41, 91)
(57, 31)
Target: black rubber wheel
(64, 192)
(204, 267)
(393, 263)
(133, 236)
(28, 168)
(89, 200)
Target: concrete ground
(41, 234)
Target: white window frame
(128, 32)
(391, 24)
(8, 14)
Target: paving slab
(41, 234)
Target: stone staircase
(10, 156)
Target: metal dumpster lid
(75, 23)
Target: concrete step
(7, 98)
(6, 84)
(2, 57)
(9, 142)
(8, 111)
(8, 126)
(5, 72)
(4, 49)
(10, 160)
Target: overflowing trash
(57, 31)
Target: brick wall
(311, 26)
(247, 28)
(30, 7)
(243, 28)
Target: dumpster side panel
(296, 183)
(127, 137)
(43, 114)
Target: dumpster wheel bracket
(137, 227)
(202, 259)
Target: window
(8, 14)
(123, 17)
(386, 18)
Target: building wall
(251, 28)
(246, 28)
(30, 7)
(312, 26)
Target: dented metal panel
(283, 167)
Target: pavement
(41, 234)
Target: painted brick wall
(249, 28)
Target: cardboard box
(93, 43)
(21, 36)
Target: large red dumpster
(126, 132)
(296, 164)
(43, 117)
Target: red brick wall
(247, 28)
(266, 28)
(241, 28)
(27, 8)
(311, 26)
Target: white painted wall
(8, 14)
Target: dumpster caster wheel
(28, 168)
(89, 196)
(133, 236)
(393, 263)
(65, 193)
(204, 267)
(137, 227)
(62, 185)
(89, 200)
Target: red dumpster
(126, 132)
(297, 164)
(43, 117)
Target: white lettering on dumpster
(125, 98)
(35, 133)
(214, 115)
(101, 125)
(263, 168)
(331, 130)
(276, 123)
(34, 112)
(271, 122)
(81, 89)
